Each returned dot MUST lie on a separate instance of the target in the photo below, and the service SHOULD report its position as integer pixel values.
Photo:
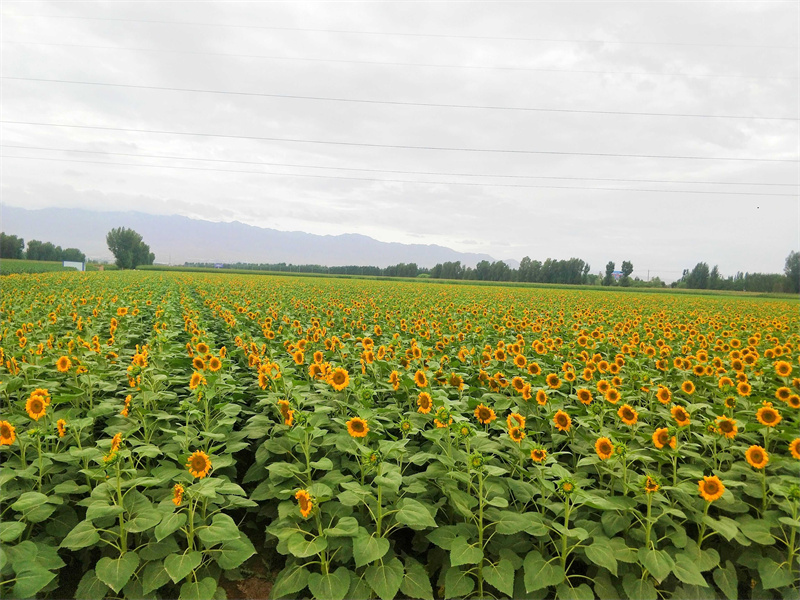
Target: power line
(399, 146)
(392, 102)
(470, 184)
(410, 34)
(450, 174)
(401, 64)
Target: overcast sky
(680, 58)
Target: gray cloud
(661, 232)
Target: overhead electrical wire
(395, 171)
(399, 146)
(461, 183)
(409, 33)
(400, 64)
(393, 102)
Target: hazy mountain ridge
(176, 239)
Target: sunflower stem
(702, 534)
(649, 522)
(123, 535)
(480, 532)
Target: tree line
(703, 278)
(12, 246)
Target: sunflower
(534, 369)
(456, 381)
(420, 379)
(566, 486)
(793, 401)
(394, 379)
(424, 402)
(198, 363)
(443, 418)
(116, 441)
(516, 434)
(562, 421)
(768, 416)
(8, 433)
(286, 412)
(338, 379)
(650, 485)
(35, 406)
(730, 402)
(520, 361)
(783, 368)
(298, 357)
(743, 388)
(613, 395)
(794, 446)
(304, 500)
(518, 383)
(526, 392)
(61, 425)
(553, 382)
(515, 420)
(680, 415)
(627, 414)
(757, 457)
(405, 425)
(199, 464)
(63, 364)
(177, 494)
(687, 387)
(662, 438)
(604, 448)
(541, 397)
(484, 414)
(726, 427)
(538, 455)
(214, 364)
(663, 394)
(202, 348)
(196, 380)
(584, 395)
(357, 427)
(725, 382)
(603, 386)
(711, 488)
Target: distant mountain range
(175, 239)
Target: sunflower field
(373, 439)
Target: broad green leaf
(727, 528)
(508, 522)
(414, 514)
(235, 552)
(333, 586)
(90, 587)
(581, 592)
(222, 528)
(657, 562)
(457, 583)
(323, 464)
(144, 520)
(82, 535)
(291, 580)
(638, 589)
(416, 583)
(100, 509)
(385, 578)
(444, 536)
(501, 576)
(687, 571)
(540, 573)
(772, 574)
(178, 566)
(31, 581)
(29, 500)
(601, 553)
(727, 580)
(169, 523)
(116, 572)
(11, 530)
(154, 576)
(614, 522)
(367, 549)
(301, 547)
(198, 590)
(758, 531)
(463, 553)
(345, 527)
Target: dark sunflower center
(711, 487)
(562, 420)
(768, 416)
(37, 405)
(757, 456)
(338, 378)
(726, 426)
(358, 426)
(5, 431)
(198, 463)
(484, 414)
(627, 414)
(605, 448)
(663, 437)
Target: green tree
(128, 248)
(792, 271)
(11, 246)
(627, 269)
(609, 278)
